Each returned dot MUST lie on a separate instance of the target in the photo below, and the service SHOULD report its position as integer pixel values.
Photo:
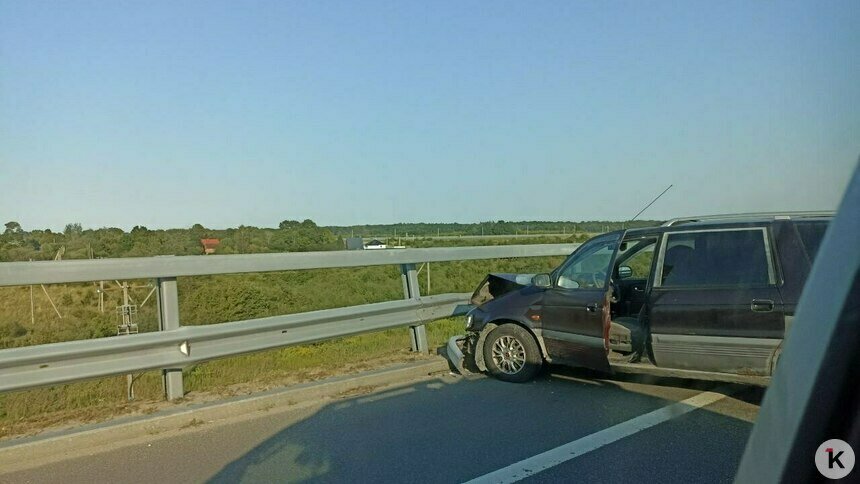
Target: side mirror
(624, 272)
(542, 280)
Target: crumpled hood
(497, 284)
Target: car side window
(588, 266)
(640, 261)
(716, 258)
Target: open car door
(575, 312)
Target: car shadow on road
(750, 394)
(453, 429)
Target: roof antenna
(652, 202)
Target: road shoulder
(29, 452)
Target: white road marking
(563, 453)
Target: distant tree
(13, 228)
(289, 224)
(73, 229)
(308, 224)
(139, 228)
(242, 239)
(198, 228)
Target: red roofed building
(209, 245)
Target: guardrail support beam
(409, 278)
(168, 318)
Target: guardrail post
(409, 277)
(168, 318)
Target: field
(212, 300)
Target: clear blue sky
(172, 113)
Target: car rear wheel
(512, 354)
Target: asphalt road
(449, 429)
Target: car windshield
(588, 266)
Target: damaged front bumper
(455, 354)
(461, 352)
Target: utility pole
(128, 326)
(32, 307)
(51, 301)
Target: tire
(517, 356)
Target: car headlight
(469, 318)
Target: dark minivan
(698, 297)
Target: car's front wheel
(512, 354)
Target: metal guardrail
(175, 346)
(74, 360)
(50, 272)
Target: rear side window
(811, 234)
(719, 258)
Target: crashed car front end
(461, 348)
(497, 285)
(487, 298)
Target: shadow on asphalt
(747, 393)
(454, 429)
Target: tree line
(76, 242)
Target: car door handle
(591, 308)
(761, 305)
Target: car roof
(730, 221)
